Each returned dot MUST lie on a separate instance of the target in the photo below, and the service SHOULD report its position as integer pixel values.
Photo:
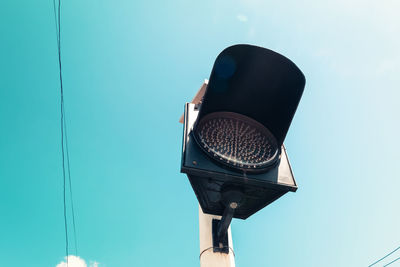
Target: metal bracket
(220, 229)
(219, 244)
(232, 198)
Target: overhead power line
(393, 261)
(70, 186)
(384, 257)
(64, 139)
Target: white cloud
(75, 261)
(241, 17)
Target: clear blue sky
(129, 67)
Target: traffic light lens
(237, 140)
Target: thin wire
(216, 247)
(387, 255)
(58, 31)
(55, 20)
(70, 184)
(392, 262)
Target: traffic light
(233, 151)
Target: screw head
(233, 205)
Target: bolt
(233, 205)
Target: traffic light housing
(233, 139)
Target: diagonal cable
(64, 141)
(70, 184)
(392, 262)
(387, 255)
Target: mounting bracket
(219, 244)
(232, 197)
